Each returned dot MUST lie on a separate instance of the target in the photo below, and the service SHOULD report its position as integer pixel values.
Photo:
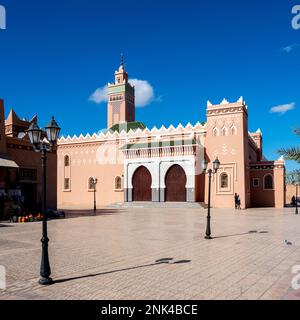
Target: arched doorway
(141, 183)
(175, 184)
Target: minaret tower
(121, 105)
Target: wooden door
(141, 182)
(175, 184)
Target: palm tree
(294, 155)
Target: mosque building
(133, 163)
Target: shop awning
(8, 163)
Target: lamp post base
(46, 281)
(208, 237)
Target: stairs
(126, 205)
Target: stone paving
(118, 255)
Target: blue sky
(55, 54)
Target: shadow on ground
(241, 234)
(90, 213)
(168, 261)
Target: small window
(224, 181)
(256, 182)
(233, 131)
(215, 132)
(67, 184)
(91, 183)
(118, 183)
(67, 161)
(224, 132)
(268, 182)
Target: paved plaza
(156, 253)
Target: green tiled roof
(159, 144)
(127, 126)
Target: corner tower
(227, 139)
(121, 102)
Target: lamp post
(296, 212)
(43, 145)
(94, 182)
(210, 172)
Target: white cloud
(284, 108)
(290, 48)
(144, 93)
(100, 95)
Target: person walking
(236, 200)
(239, 202)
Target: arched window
(224, 181)
(268, 182)
(91, 183)
(233, 131)
(216, 132)
(118, 183)
(224, 132)
(67, 161)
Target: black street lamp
(94, 182)
(210, 172)
(296, 198)
(43, 141)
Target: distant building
(20, 168)
(133, 163)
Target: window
(224, 132)
(224, 181)
(67, 161)
(233, 131)
(256, 182)
(215, 132)
(118, 183)
(67, 184)
(91, 183)
(268, 182)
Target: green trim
(127, 126)
(116, 89)
(121, 88)
(159, 144)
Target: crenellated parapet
(225, 107)
(154, 133)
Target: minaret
(121, 105)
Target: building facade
(133, 163)
(20, 168)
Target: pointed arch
(67, 160)
(216, 132)
(233, 130)
(141, 182)
(118, 183)
(224, 132)
(175, 181)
